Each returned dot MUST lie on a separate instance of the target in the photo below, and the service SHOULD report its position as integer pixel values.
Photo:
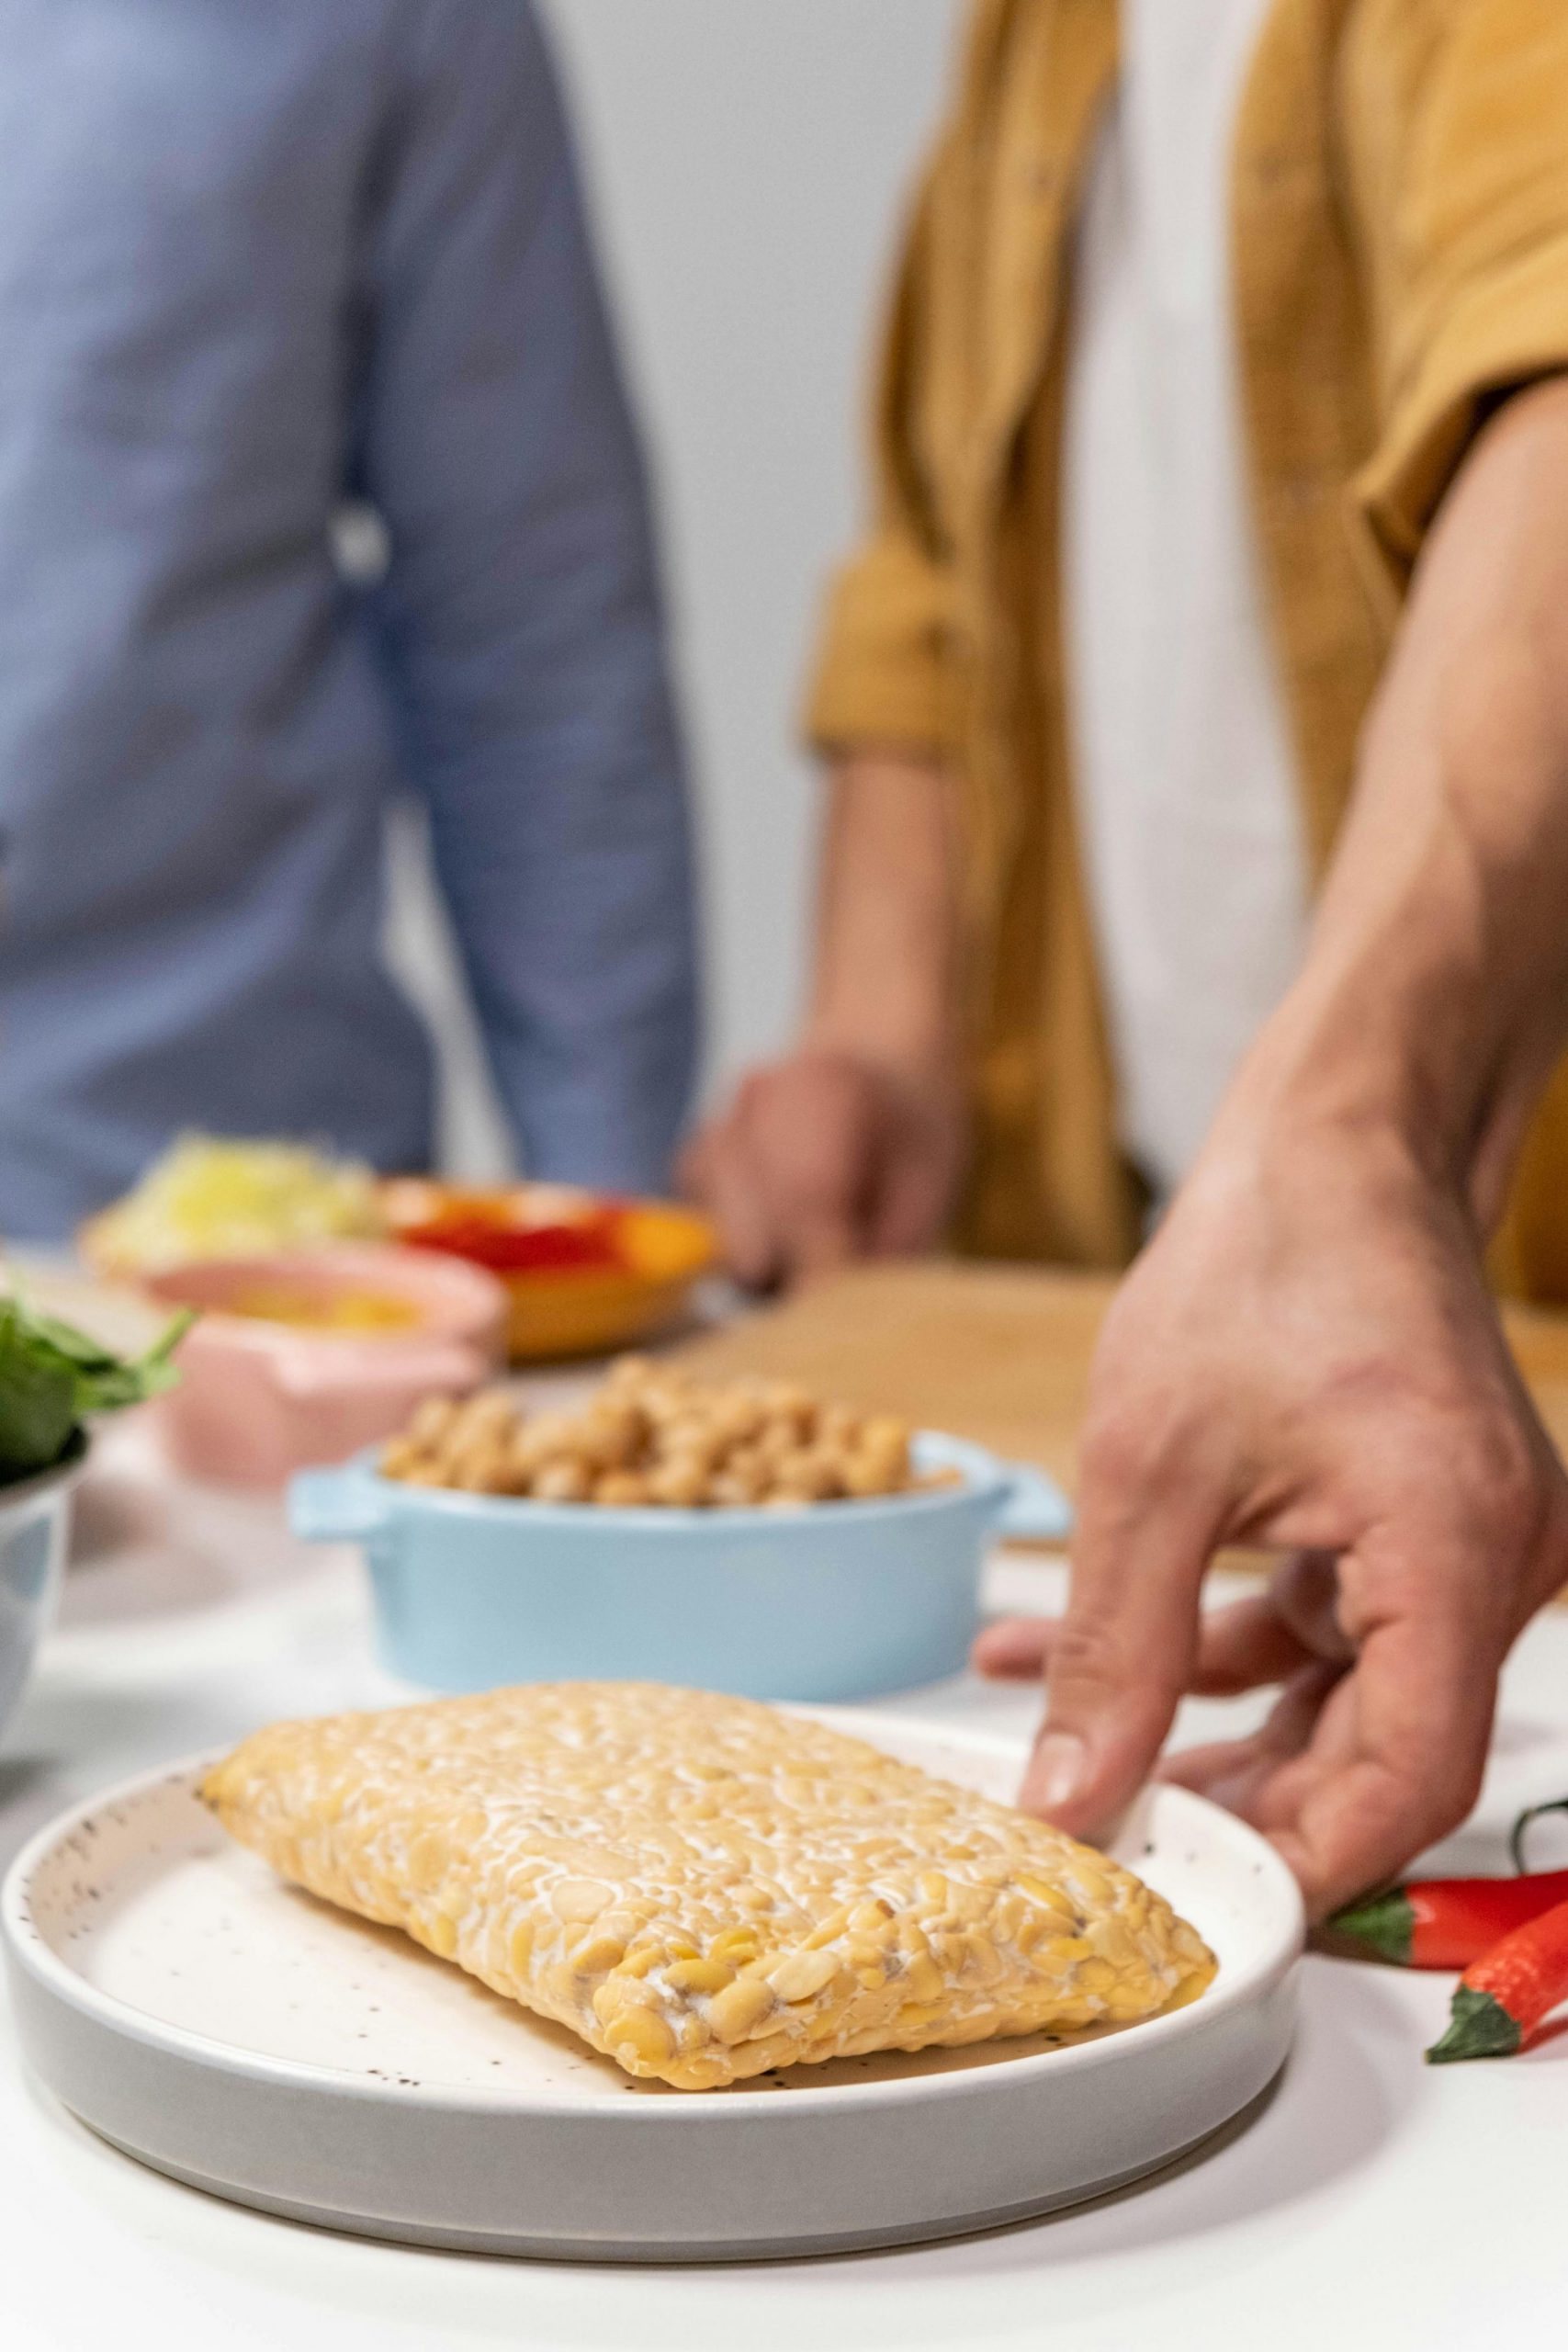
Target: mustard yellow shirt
(1400, 257)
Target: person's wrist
(1312, 1169)
(1346, 1075)
(1323, 1152)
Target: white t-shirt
(1184, 776)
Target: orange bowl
(584, 1273)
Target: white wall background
(747, 160)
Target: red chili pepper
(1501, 1996)
(1448, 1922)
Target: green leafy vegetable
(51, 1376)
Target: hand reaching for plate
(1305, 1358)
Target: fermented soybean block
(702, 1887)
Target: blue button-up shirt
(257, 256)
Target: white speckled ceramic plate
(251, 2040)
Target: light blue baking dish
(839, 1600)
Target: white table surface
(1371, 2202)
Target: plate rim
(27, 1950)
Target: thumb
(1123, 1653)
(1014, 1649)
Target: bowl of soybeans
(742, 1536)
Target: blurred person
(1221, 561)
(255, 261)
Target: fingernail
(1056, 1770)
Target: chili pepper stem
(1384, 1923)
(1479, 2028)
(1532, 1813)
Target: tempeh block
(702, 1887)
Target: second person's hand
(823, 1157)
(852, 1146)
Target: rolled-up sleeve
(519, 623)
(1458, 171)
(883, 672)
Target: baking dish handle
(1035, 1510)
(336, 1506)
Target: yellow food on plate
(651, 1435)
(705, 1888)
(363, 1313)
(211, 1196)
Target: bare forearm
(852, 1144)
(1434, 992)
(884, 982)
(1306, 1358)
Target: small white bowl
(35, 1525)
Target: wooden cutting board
(997, 1353)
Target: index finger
(811, 1193)
(1123, 1653)
(719, 1173)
